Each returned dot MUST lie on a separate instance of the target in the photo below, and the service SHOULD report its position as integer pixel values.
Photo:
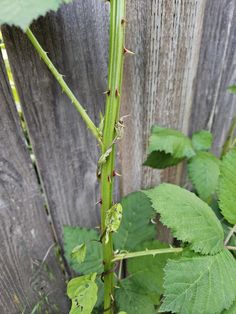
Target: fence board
(76, 39)
(213, 107)
(25, 233)
(158, 80)
(183, 63)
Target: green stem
(231, 248)
(119, 257)
(229, 143)
(115, 73)
(64, 86)
(230, 234)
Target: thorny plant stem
(230, 234)
(121, 256)
(64, 86)
(115, 74)
(230, 141)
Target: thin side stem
(120, 257)
(115, 70)
(64, 86)
(229, 143)
(230, 234)
(120, 270)
(231, 248)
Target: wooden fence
(185, 59)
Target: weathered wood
(171, 81)
(213, 107)
(76, 39)
(158, 80)
(25, 233)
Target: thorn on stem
(117, 93)
(128, 51)
(99, 202)
(109, 179)
(114, 173)
(108, 93)
(123, 21)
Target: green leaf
(148, 270)
(170, 147)
(232, 89)
(204, 171)
(227, 187)
(22, 12)
(200, 285)
(190, 219)
(202, 140)
(161, 160)
(83, 293)
(231, 310)
(135, 226)
(133, 299)
(76, 236)
(79, 253)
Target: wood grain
(158, 80)
(76, 39)
(184, 60)
(25, 233)
(213, 108)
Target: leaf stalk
(64, 86)
(126, 255)
(230, 140)
(230, 234)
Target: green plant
(199, 276)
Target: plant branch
(232, 231)
(231, 248)
(64, 86)
(115, 74)
(121, 256)
(229, 143)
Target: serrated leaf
(200, 285)
(148, 270)
(161, 160)
(83, 294)
(74, 236)
(22, 12)
(202, 140)
(135, 226)
(79, 253)
(190, 219)
(204, 171)
(132, 299)
(227, 187)
(170, 147)
(232, 89)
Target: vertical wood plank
(213, 107)
(76, 38)
(25, 233)
(158, 80)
